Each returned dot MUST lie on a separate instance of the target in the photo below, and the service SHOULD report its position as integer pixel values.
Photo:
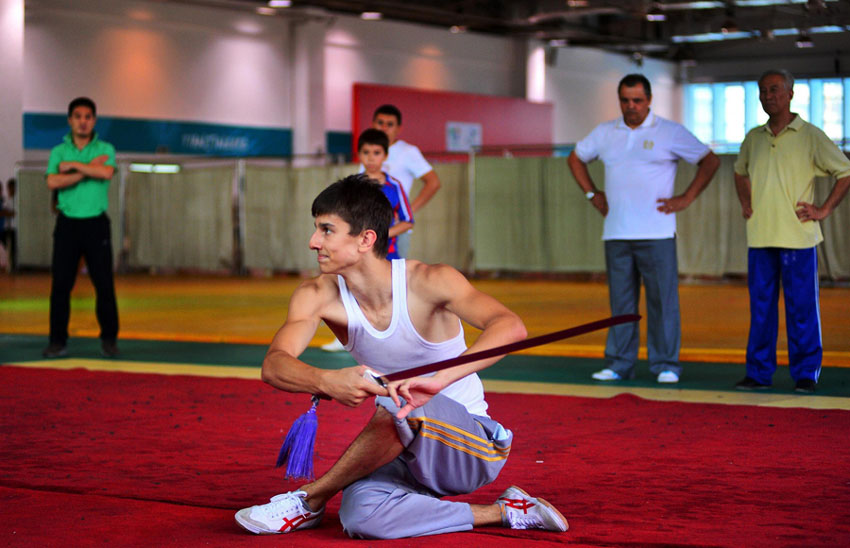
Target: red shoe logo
(519, 504)
(295, 523)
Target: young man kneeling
(430, 437)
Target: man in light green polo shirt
(774, 177)
(80, 169)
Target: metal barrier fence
(503, 210)
(227, 216)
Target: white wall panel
(182, 62)
(415, 56)
(146, 60)
(583, 87)
(11, 92)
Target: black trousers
(72, 239)
(10, 240)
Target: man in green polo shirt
(774, 175)
(80, 169)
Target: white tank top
(400, 347)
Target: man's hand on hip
(600, 202)
(674, 204)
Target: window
(734, 130)
(721, 114)
(801, 103)
(701, 123)
(833, 105)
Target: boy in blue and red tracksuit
(372, 150)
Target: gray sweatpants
(447, 452)
(653, 261)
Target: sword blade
(511, 347)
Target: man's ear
(367, 239)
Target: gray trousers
(447, 452)
(654, 261)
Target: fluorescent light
(826, 29)
(814, 30)
(371, 15)
(762, 3)
(707, 5)
(655, 14)
(155, 168)
(710, 37)
(693, 6)
(717, 36)
(804, 40)
(280, 3)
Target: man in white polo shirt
(640, 152)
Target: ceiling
(691, 30)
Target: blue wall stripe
(44, 131)
(339, 142)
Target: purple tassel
(297, 449)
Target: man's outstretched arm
(283, 370)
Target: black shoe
(108, 349)
(805, 386)
(55, 350)
(751, 384)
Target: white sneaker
(334, 346)
(607, 375)
(522, 511)
(284, 514)
(668, 377)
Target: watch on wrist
(590, 195)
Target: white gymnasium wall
(160, 61)
(11, 92)
(180, 62)
(582, 85)
(382, 52)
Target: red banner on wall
(431, 118)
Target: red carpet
(94, 458)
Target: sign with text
(462, 136)
(44, 131)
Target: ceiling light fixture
(371, 16)
(804, 40)
(637, 57)
(280, 3)
(655, 14)
(729, 24)
(155, 168)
